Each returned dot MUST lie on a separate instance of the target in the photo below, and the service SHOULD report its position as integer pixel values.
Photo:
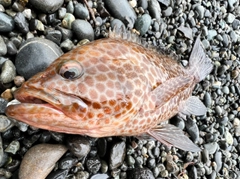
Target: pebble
(3, 47)
(3, 105)
(218, 160)
(58, 174)
(211, 147)
(81, 11)
(93, 165)
(230, 18)
(54, 35)
(5, 123)
(21, 23)
(229, 138)
(200, 10)
(140, 173)
(143, 23)
(39, 160)
(167, 12)
(117, 155)
(192, 129)
(178, 122)
(47, 6)
(102, 146)
(83, 30)
(35, 55)
(122, 10)
(211, 34)
(117, 24)
(67, 163)
(6, 23)
(67, 45)
(154, 9)
(78, 145)
(8, 72)
(68, 20)
(13, 147)
(11, 48)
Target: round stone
(47, 6)
(35, 55)
(42, 159)
(6, 23)
(143, 23)
(79, 146)
(117, 154)
(8, 72)
(83, 30)
(81, 11)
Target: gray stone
(35, 55)
(122, 10)
(83, 30)
(47, 6)
(8, 72)
(117, 155)
(143, 23)
(154, 9)
(21, 23)
(81, 11)
(3, 47)
(6, 23)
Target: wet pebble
(229, 138)
(39, 160)
(47, 6)
(122, 10)
(100, 176)
(93, 165)
(6, 23)
(3, 47)
(7, 95)
(67, 163)
(21, 23)
(8, 72)
(13, 147)
(117, 24)
(11, 48)
(143, 23)
(167, 12)
(67, 45)
(192, 129)
(207, 99)
(154, 9)
(35, 55)
(218, 160)
(81, 11)
(117, 154)
(178, 122)
(139, 173)
(230, 18)
(79, 146)
(83, 30)
(54, 35)
(5, 123)
(211, 147)
(68, 21)
(58, 174)
(3, 105)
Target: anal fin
(170, 135)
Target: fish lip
(45, 97)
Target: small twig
(91, 12)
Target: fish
(115, 86)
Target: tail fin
(199, 64)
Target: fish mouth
(51, 100)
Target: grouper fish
(114, 87)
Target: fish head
(80, 92)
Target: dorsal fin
(120, 33)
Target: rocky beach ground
(57, 26)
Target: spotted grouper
(114, 87)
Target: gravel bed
(33, 33)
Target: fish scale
(113, 87)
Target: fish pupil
(69, 74)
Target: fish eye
(70, 69)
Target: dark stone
(35, 55)
(21, 23)
(140, 173)
(6, 23)
(122, 10)
(47, 6)
(78, 145)
(54, 35)
(58, 174)
(81, 11)
(83, 30)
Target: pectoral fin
(193, 106)
(172, 136)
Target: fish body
(113, 87)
